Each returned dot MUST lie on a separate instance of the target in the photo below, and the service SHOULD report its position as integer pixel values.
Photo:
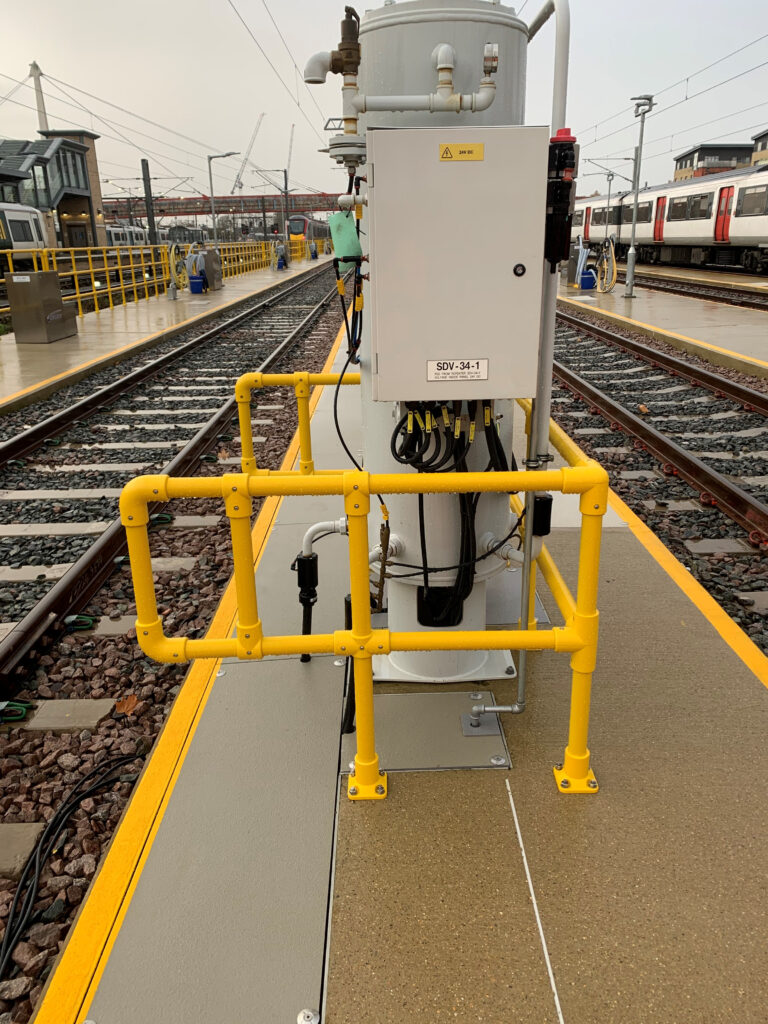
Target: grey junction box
(38, 314)
(456, 224)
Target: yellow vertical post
(93, 281)
(243, 399)
(302, 390)
(76, 279)
(132, 267)
(120, 272)
(574, 775)
(367, 782)
(239, 508)
(107, 278)
(144, 271)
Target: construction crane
(239, 179)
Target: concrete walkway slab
(59, 716)
(17, 840)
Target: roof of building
(746, 146)
(760, 135)
(67, 133)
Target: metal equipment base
(496, 665)
(423, 732)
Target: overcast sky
(194, 68)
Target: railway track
(730, 295)
(685, 447)
(60, 478)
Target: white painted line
(535, 906)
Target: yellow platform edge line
(610, 315)
(73, 983)
(733, 635)
(144, 342)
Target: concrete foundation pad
(16, 842)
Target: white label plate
(457, 369)
(21, 278)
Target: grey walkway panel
(228, 920)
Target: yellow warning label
(462, 151)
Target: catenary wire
(678, 103)
(681, 81)
(282, 81)
(310, 93)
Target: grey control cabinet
(38, 314)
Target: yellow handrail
(578, 636)
(113, 274)
(302, 383)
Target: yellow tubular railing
(578, 636)
(113, 274)
(302, 384)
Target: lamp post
(643, 106)
(215, 156)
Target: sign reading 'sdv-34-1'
(456, 244)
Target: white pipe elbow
(331, 526)
(482, 99)
(444, 56)
(318, 66)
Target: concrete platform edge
(38, 393)
(712, 354)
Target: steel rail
(25, 442)
(752, 401)
(714, 488)
(85, 576)
(698, 290)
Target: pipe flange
(347, 149)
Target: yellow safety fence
(101, 277)
(578, 635)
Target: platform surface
(738, 330)
(641, 903)
(101, 334)
(650, 893)
(727, 280)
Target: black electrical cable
(423, 541)
(20, 912)
(459, 565)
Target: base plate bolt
(308, 1017)
(510, 670)
(476, 696)
(558, 767)
(380, 790)
(498, 760)
(592, 783)
(565, 784)
(353, 790)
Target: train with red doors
(719, 220)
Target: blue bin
(588, 280)
(196, 284)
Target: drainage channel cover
(420, 732)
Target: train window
(20, 230)
(752, 202)
(578, 218)
(700, 207)
(598, 216)
(678, 209)
(38, 232)
(643, 213)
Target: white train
(719, 219)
